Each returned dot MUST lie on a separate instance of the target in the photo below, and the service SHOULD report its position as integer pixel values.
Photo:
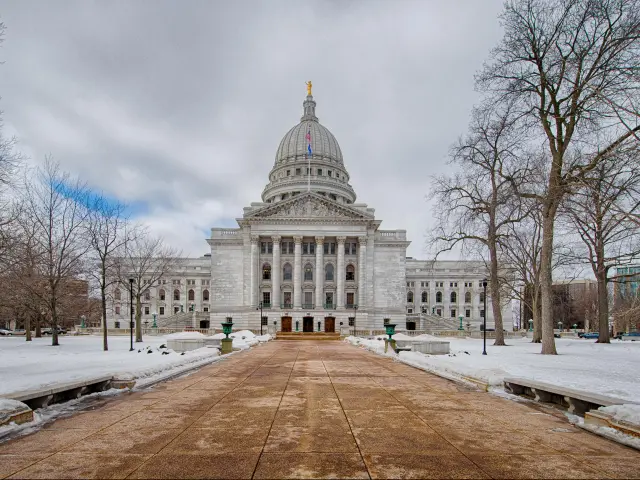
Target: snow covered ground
(581, 364)
(36, 364)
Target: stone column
(255, 270)
(362, 279)
(340, 273)
(276, 269)
(297, 272)
(319, 272)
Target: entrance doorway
(307, 324)
(286, 324)
(329, 324)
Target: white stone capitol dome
(328, 176)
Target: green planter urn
(390, 329)
(226, 326)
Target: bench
(577, 401)
(61, 392)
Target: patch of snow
(613, 434)
(626, 413)
(185, 336)
(7, 404)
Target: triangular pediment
(309, 205)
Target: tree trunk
(494, 287)
(138, 319)
(603, 308)
(27, 327)
(54, 327)
(546, 283)
(103, 305)
(38, 326)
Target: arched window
(467, 297)
(117, 295)
(266, 272)
(287, 272)
(425, 297)
(409, 297)
(351, 272)
(205, 295)
(176, 294)
(147, 295)
(328, 272)
(308, 273)
(192, 295)
(454, 297)
(162, 294)
(481, 297)
(438, 297)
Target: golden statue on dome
(309, 85)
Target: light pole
(131, 313)
(355, 314)
(484, 348)
(460, 327)
(82, 325)
(260, 307)
(155, 325)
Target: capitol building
(310, 256)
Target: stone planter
(431, 347)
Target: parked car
(49, 331)
(5, 332)
(589, 335)
(633, 336)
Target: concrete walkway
(313, 410)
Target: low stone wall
(188, 344)
(431, 347)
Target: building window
(117, 309)
(205, 309)
(329, 173)
(146, 310)
(467, 313)
(328, 272)
(161, 310)
(287, 272)
(409, 297)
(176, 310)
(288, 173)
(117, 294)
(205, 295)
(481, 297)
(454, 297)
(265, 321)
(410, 310)
(467, 297)
(175, 282)
(117, 324)
(351, 273)
(453, 313)
(162, 294)
(308, 273)
(204, 282)
(266, 298)
(308, 248)
(266, 247)
(176, 294)
(425, 297)
(332, 196)
(298, 171)
(266, 272)
(385, 321)
(287, 300)
(147, 295)
(319, 171)
(482, 313)
(308, 300)
(192, 295)
(439, 312)
(330, 248)
(350, 299)
(438, 297)
(350, 248)
(287, 248)
(352, 321)
(328, 299)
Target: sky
(178, 107)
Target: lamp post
(131, 313)
(260, 308)
(460, 327)
(82, 325)
(484, 346)
(155, 325)
(355, 314)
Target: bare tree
(477, 204)
(572, 68)
(55, 208)
(146, 260)
(108, 233)
(599, 210)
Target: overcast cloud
(179, 106)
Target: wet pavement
(314, 410)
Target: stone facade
(312, 257)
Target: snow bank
(8, 404)
(185, 336)
(627, 413)
(375, 345)
(36, 364)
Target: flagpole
(309, 159)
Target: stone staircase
(433, 323)
(183, 320)
(308, 336)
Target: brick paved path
(311, 410)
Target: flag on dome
(308, 137)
